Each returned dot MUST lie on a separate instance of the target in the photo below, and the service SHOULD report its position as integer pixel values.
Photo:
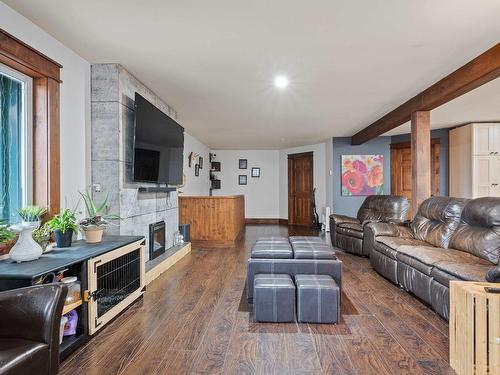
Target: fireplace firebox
(156, 239)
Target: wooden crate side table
(474, 328)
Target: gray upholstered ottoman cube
(274, 298)
(318, 299)
(272, 250)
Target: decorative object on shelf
(362, 175)
(7, 238)
(255, 172)
(178, 238)
(200, 162)
(97, 219)
(179, 187)
(242, 179)
(196, 170)
(242, 164)
(192, 158)
(63, 225)
(26, 248)
(42, 236)
(216, 166)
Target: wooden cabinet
(475, 161)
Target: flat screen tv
(158, 145)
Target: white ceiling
(349, 62)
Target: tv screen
(158, 145)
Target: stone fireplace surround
(112, 104)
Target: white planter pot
(26, 248)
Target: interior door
(300, 189)
(401, 180)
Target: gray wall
(342, 146)
(443, 135)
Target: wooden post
(420, 158)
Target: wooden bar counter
(215, 221)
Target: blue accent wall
(345, 205)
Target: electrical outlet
(97, 188)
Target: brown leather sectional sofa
(346, 232)
(449, 239)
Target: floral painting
(362, 174)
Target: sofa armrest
(493, 275)
(374, 229)
(341, 219)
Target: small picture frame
(243, 164)
(256, 172)
(216, 166)
(197, 170)
(200, 162)
(242, 179)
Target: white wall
(261, 194)
(319, 176)
(196, 185)
(75, 101)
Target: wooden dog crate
(474, 328)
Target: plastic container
(71, 323)
(64, 320)
(74, 290)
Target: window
(15, 142)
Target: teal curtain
(11, 121)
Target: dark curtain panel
(11, 121)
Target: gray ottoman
(274, 298)
(318, 299)
(272, 250)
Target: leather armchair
(29, 333)
(347, 232)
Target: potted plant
(42, 236)
(26, 248)
(97, 218)
(7, 238)
(63, 225)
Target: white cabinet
(475, 161)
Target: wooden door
(300, 189)
(401, 178)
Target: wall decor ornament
(362, 175)
(242, 164)
(197, 170)
(200, 162)
(242, 179)
(255, 172)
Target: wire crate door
(115, 280)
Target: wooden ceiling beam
(482, 69)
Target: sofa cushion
(436, 220)
(467, 268)
(396, 242)
(422, 257)
(19, 356)
(384, 208)
(479, 230)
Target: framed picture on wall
(362, 175)
(200, 162)
(242, 179)
(197, 170)
(242, 164)
(255, 172)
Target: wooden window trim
(46, 137)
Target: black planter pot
(63, 239)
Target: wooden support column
(420, 158)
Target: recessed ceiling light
(281, 81)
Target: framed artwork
(362, 175)
(255, 172)
(242, 179)
(216, 166)
(242, 164)
(200, 162)
(197, 170)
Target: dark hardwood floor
(194, 320)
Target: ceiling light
(281, 82)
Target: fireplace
(156, 239)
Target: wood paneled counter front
(215, 221)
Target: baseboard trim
(265, 221)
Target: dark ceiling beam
(484, 68)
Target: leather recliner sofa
(29, 333)
(346, 232)
(449, 239)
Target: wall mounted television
(158, 145)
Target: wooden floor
(194, 320)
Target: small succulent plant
(32, 213)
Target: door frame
(291, 157)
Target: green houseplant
(42, 236)
(97, 218)
(7, 238)
(63, 225)
(26, 248)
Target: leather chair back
(385, 208)
(437, 219)
(479, 230)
